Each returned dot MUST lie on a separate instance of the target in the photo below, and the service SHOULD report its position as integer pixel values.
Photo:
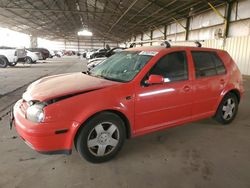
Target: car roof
(162, 48)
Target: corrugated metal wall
(238, 48)
(204, 26)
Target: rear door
(210, 74)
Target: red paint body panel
(64, 84)
(149, 109)
(42, 137)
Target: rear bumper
(44, 137)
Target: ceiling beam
(58, 10)
(124, 13)
(151, 15)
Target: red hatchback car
(134, 92)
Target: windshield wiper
(111, 79)
(86, 72)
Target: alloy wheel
(103, 139)
(228, 109)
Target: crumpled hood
(55, 86)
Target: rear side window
(173, 67)
(207, 64)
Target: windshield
(122, 67)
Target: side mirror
(155, 79)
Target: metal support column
(220, 15)
(78, 45)
(64, 44)
(141, 38)
(165, 32)
(151, 37)
(33, 41)
(228, 16)
(187, 28)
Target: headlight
(35, 113)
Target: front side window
(173, 67)
(207, 64)
(123, 66)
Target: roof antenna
(198, 44)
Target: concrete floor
(197, 155)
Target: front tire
(227, 109)
(101, 138)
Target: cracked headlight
(35, 113)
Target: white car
(9, 56)
(94, 62)
(58, 53)
(91, 52)
(31, 57)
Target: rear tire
(3, 62)
(101, 138)
(28, 60)
(227, 109)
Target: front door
(161, 105)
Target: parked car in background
(51, 53)
(132, 93)
(69, 52)
(103, 52)
(113, 51)
(45, 53)
(84, 54)
(99, 53)
(39, 55)
(9, 56)
(89, 53)
(58, 53)
(31, 57)
(94, 62)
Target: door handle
(186, 88)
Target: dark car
(99, 53)
(113, 51)
(45, 53)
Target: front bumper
(46, 138)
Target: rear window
(207, 64)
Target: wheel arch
(120, 114)
(236, 93)
(233, 90)
(29, 58)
